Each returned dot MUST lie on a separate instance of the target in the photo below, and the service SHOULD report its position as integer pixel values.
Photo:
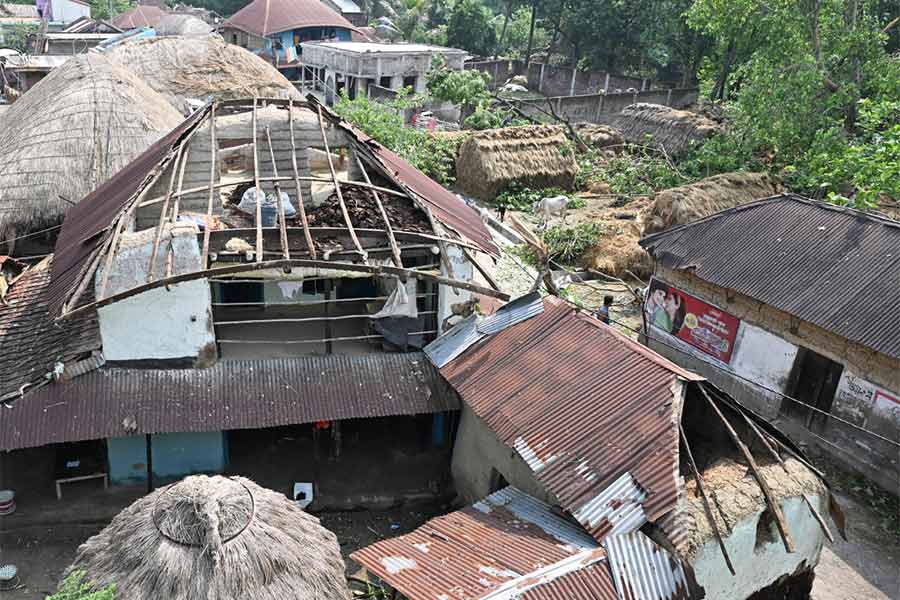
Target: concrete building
(790, 305)
(355, 66)
(348, 9)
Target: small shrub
(77, 587)
(520, 197)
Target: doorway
(814, 381)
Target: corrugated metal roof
(582, 404)
(20, 11)
(644, 571)
(229, 395)
(30, 342)
(828, 265)
(79, 236)
(504, 546)
(590, 583)
(265, 17)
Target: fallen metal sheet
(503, 547)
(644, 571)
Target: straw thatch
(680, 205)
(538, 156)
(671, 129)
(182, 25)
(599, 136)
(71, 132)
(215, 538)
(201, 67)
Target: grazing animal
(547, 207)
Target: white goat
(550, 206)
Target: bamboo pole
(706, 506)
(212, 180)
(257, 191)
(398, 261)
(170, 254)
(337, 187)
(279, 203)
(301, 205)
(771, 501)
(163, 213)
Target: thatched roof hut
(71, 132)
(670, 128)
(686, 203)
(215, 538)
(200, 67)
(537, 156)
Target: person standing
(603, 311)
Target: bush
(519, 197)
(77, 587)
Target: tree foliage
(470, 27)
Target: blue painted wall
(174, 456)
(307, 34)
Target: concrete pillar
(606, 84)
(397, 82)
(572, 84)
(421, 84)
(669, 98)
(540, 87)
(599, 109)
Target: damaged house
(808, 348)
(188, 323)
(596, 468)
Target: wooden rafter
(170, 253)
(257, 191)
(233, 182)
(771, 501)
(282, 227)
(213, 158)
(300, 204)
(398, 261)
(164, 213)
(337, 187)
(706, 506)
(375, 270)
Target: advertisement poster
(701, 325)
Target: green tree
(470, 27)
(16, 36)
(100, 8)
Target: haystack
(599, 136)
(680, 205)
(215, 538)
(201, 67)
(68, 134)
(537, 156)
(667, 127)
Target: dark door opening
(814, 381)
(498, 481)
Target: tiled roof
(139, 16)
(265, 17)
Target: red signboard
(701, 325)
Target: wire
(728, 372)
(32, 234)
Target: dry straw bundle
(672, 129)
(686, 203)
(538, 156)
(201, 67)
(215, 538)
(68, 134)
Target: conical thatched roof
(183, 67)
(538, 156)
(71, 132)
(215, 538)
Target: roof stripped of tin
(504, 546)
(583, 405)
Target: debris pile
(364, 212)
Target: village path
(867, 567)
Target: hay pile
(672, 129)
(599, 136)
(617, 251)
(200, 67)
(215, 538)
(71, 132)
(538, 156)
(182, 25)
(680, 205)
